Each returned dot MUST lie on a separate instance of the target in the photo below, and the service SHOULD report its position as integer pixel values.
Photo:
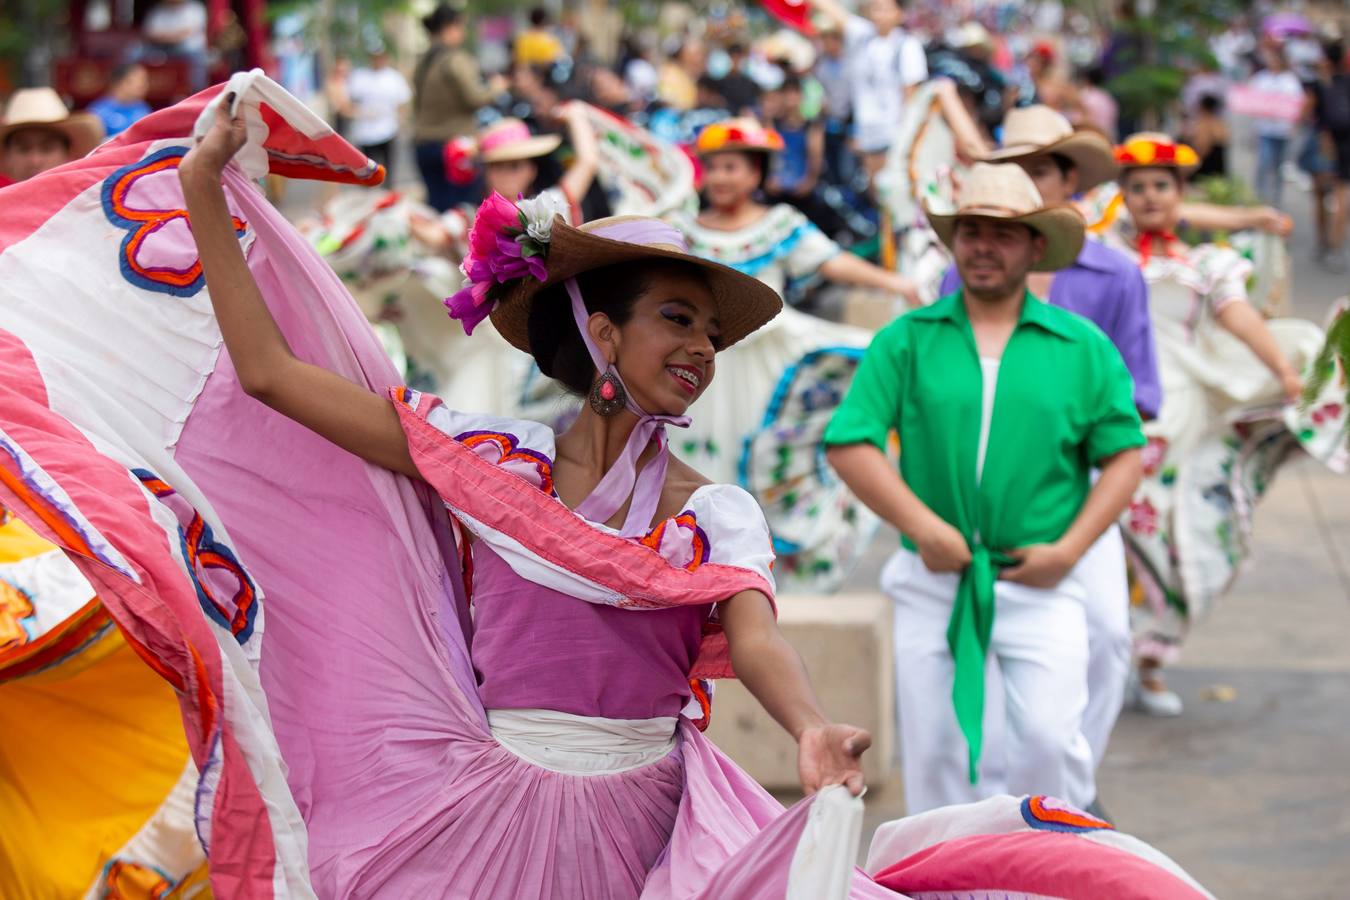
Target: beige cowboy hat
(743, 303)
(1007, 192)
(508, 140)
(43, 108)
(1039, 131)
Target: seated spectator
(795, 172)
(638, 71)
(39, 133)
(736, 87)
(1097, 107)
(124, 103)
(1208, 135)
(177, 29)
(538, 45)
(796, 169)
(679, 77)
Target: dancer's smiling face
(1153, 197)
(665, 350)
(730, 178)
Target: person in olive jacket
(448, 90)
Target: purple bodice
(537, 648)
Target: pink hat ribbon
(623, 479)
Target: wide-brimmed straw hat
(508, 140)
(43, 108)
(1155, 150)
(744, 134)
(1039, 131)
(743, 303)
(1007, 193)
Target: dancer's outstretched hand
(832, 754)
(218, 146)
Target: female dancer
(653, 322)
(1226, 423)
(760, 425)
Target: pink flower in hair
(501, 250)
(496, 216)
(469, 305)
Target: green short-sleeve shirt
(1063, 402)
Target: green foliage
(1337, 348)
(1158, 48)
(343, 27)
(25, 26)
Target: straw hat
(745, 134)
(1006, 192)
(1039, 130)
(43, 108)
(743, 303)
(1153, 149)
(971, 34)
(508, 140)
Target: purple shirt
(537, 648)
(1108, 289)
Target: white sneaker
(1162, 703)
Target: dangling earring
(608, 396)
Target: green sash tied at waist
(968, 633)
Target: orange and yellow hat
(738, 134)
(1155, 150)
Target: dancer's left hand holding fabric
(354, 418)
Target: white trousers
(1107, 604)
(1039, 649)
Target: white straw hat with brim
(509, 140)
(1007, 193)
(43, 108)
(1040, 131)
(743, 303)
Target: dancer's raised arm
(345, 413)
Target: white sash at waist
(582, 745)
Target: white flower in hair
(538, 212)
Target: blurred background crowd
(402, 79)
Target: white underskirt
(582, 745)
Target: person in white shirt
(886, 63)
(177, 29)
(377, 94)
(1274, 131)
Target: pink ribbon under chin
(623, 479)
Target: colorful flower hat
(1151, 149)
(517, 250)
(744, 134)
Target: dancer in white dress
(1228, 421)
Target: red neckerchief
(1147, 239)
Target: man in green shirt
(1003, 405)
